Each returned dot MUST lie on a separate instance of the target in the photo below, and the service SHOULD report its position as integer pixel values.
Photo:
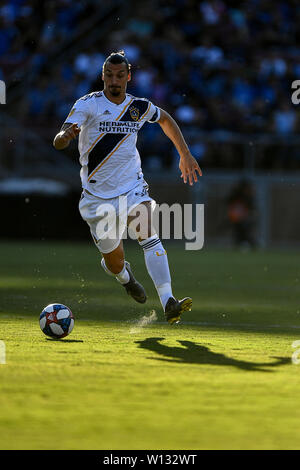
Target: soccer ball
(56, 320)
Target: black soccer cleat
(134, 288)
(174, 308)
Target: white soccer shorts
(107, 218)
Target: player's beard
(115, 91)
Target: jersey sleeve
(154, 113)
(79, 113)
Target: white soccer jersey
(111, 163)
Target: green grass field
(223, 379)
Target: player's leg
(156, 261)
(155, 256)
(114, 264)
(110, 247)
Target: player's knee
(140, 221)
(145, 230)
(145, 234)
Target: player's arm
(188, 164)
(67, 133)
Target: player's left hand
(189, 167)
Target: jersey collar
(115, 104)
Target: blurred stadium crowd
(217, 66)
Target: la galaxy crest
(134, 113)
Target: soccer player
(107, 123)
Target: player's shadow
(192, 353)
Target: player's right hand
(71, 132)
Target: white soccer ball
(56, 321)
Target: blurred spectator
(240, 212)
(89, 63)
(285, 119)
(207, 53)
(214, 65)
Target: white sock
(122, 277)
(158, 267)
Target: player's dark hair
(117, 58)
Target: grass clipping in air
(213, 383)
(144, 321)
